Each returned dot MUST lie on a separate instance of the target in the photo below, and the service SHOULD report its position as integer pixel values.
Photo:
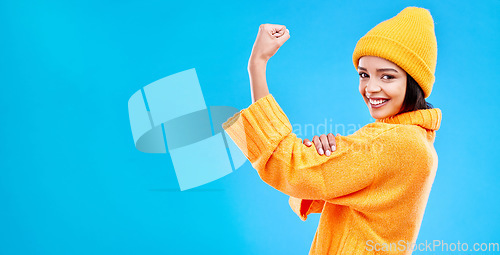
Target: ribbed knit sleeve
(264, 134)
(258, 128)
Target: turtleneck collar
(428, 118)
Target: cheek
(398, 94)
(361, 89)
(397, 91)
(402, 91)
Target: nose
(372, 87)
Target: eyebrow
(379, 70)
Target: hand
(324, 144)
(269, 39)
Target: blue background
(72, 182)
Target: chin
(380, 113)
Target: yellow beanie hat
(408, 40)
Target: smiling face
(382, 85)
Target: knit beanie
(408, 40)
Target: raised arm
(258, 83)
(269, 39)
(264, 134)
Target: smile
(378, 103)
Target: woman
(372, 187)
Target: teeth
(372, 101)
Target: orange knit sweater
(371, 192)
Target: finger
(268, 29)
(277, 33)
(284, 36)
(326, 146)
(317, 143)
(274, 29)
(332, 142)
(287, 33)
(307, 142)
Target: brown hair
(414, 97)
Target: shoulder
(374, 129)
(387, 138)
(403, 142)
(404, 151)
(396, 132)
(379, 131)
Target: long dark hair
(414, 97)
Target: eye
(389, 76)
(361, 75)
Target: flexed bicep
(264, 134)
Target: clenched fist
(269, 40)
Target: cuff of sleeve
(300, 206)
(258, 127)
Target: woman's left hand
(325, 144)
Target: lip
(378, 105)
(376, 98)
